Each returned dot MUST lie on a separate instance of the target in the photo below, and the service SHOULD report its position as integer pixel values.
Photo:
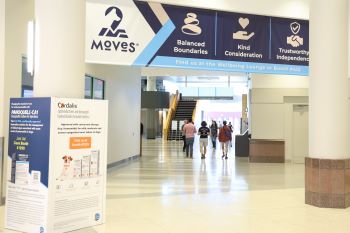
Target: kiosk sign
(56, 178)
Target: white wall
(271, 107)
(123, 90)
(279, 81)
(283, 8)
(267, 100)
(17, 15)
(59, 48)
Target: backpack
(224, 134)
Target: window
(27, 80)
(88, 87)
(98, 87)
(94, 88)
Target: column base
(327, 183)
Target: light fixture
(30, 48)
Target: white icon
(243, 35)
(295, 40)
(191, 25)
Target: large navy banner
(160, 35)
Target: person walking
(189, 131)
(183, 135)
(225, 135)
(213, 133)
(203, 138)
(231, 128)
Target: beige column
(329, 151)
(59, 52)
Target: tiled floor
(164, 192)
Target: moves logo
(68, 105)
(114, 35)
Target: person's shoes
(222, 156)
(203, 157)
(226, 157)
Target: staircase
(184, 111)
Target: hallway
(164, 192)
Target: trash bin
(242, 144)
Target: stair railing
(171, 114)
(194, 111)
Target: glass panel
(27, 80)
(224, 91)
(88, 87)
(189, 91)
(207, 91)
(27, 93)
(98, 89)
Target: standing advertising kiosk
(56, 179)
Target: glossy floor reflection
(164, 192)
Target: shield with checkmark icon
(295, 27)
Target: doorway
(300, 131)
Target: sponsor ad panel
(153, 34)
(57, 164)
(78, 163)
(28, 165)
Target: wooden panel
(266, 151)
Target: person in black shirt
(203, 131)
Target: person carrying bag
(225, 136)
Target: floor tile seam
(176, 187)
(193, 192)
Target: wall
(271, 107)
(17, 15)
(123, 90)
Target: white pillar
(329, 105)
(59, 56)
(151, 83)
(2, 66)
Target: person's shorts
(203, 142)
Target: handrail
(171, 113)
(194, 111)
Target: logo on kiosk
(116, 38)
(67, 105)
